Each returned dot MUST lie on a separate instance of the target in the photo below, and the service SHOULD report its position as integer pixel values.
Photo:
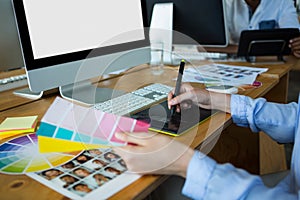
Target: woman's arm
(148, 153)
(277, 120)
(208, 180)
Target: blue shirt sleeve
(277, 120)
(208, 180)
(199, 172)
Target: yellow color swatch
(47, 145)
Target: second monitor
(201, 20)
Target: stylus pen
(178, 84)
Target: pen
(178, 84)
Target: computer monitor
(10, 51)
(65, 42)
(201, 20)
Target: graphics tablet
(160, 119)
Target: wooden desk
(8, 99)
(229, 147)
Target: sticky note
(12, 126)
(16, 123)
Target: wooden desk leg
(240, 147)
(271, 155)
(255, 152)
(279, 93)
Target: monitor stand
(27, 93)
(86, 93)
(161, 29)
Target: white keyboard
(194, 55)
(136, 100)
(13, 82)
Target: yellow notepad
(12, 126)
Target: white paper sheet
(115, 182)
(222, 74)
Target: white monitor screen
(58, 27)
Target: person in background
(261, 14)
(149, 153)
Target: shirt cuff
(238, 106)
(199, 172)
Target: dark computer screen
(201, 20)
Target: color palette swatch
(21, 155)
(67, 121)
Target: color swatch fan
(70, 127)
(21, 155)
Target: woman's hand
(200, 97)
(149, 153)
